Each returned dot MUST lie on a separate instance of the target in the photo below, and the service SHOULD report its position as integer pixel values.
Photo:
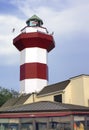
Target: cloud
(7, 50)
(68, 21)
(70, 18)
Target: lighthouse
(34, 43)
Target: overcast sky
(68, 19)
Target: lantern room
(34, 21)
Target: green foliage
(6, 94)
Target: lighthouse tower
(34, 43)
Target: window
(26, 126)
(58, 98)
(8, 126)
(41, 126)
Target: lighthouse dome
(34, 21)
(34, 24)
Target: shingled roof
(16, 101)
(54, 88)
(44, 106)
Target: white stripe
(34, 29)
(34, 54)
(32, 85)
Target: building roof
(17, 104)
(10, 102)
(78, 76)
(16, 101)
(46, 90)
(22, 99)
(54, 88)
(44, 106)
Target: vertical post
(86, 123)
(34, 124)
(72, 122)
(19, 126)
(48, 123)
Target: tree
(6, 94)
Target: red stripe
(51, 114)
(15, 115)
(33, 70)
(36, 39)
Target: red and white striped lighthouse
(34, 43)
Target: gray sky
(68, 19)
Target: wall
(49, 97)
(86, 90)
(31, 99)
(67, 94)
(77, 90)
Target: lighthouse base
(32, 85)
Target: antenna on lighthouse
(13, 30)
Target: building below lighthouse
(60, 106)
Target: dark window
(58, 98)
(41, 126)
(26, 126)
